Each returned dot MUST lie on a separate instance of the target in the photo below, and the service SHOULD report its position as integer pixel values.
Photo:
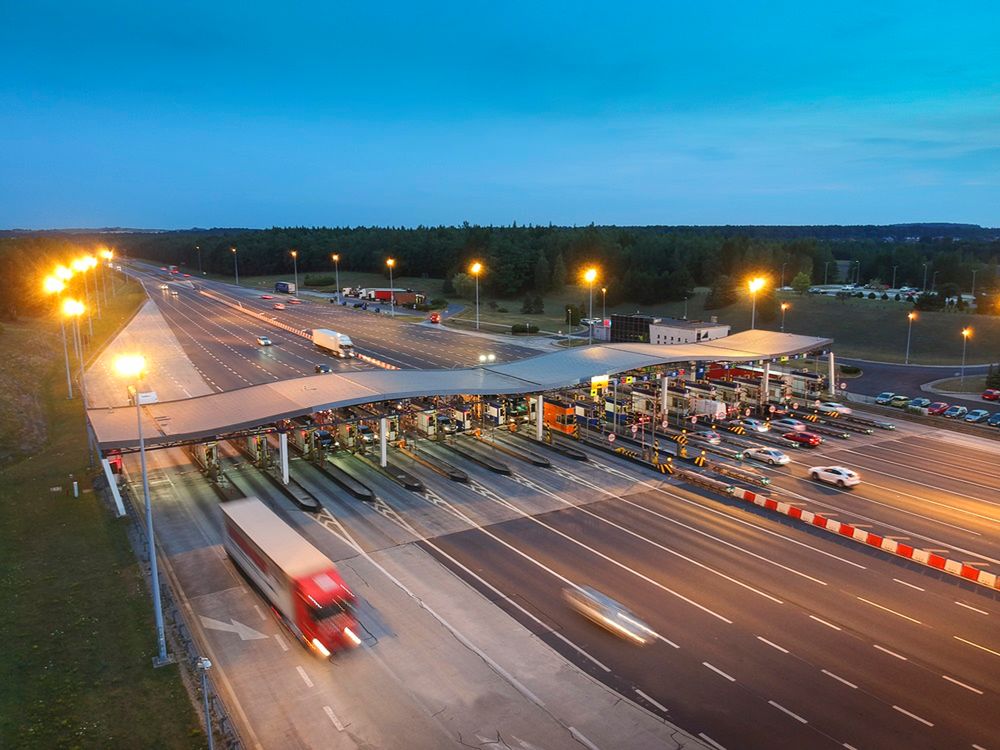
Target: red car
(938, 407)
(436, 318)
(267, 296)
(294, 301)
(805, 439)
(991, 394)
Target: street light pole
(69, 377)
(236, 265)
(197, 249)
(909, 331)
(934, 281)
(604, 304)
(204, 664)
(894, 276)
(966, 333)
(475, 269)
(755, 286)
(391, 262)
(784, 307)
(295, 265)
(924, 289)
(336, 267)
(974, 272)
(782, 286)
(589, 275)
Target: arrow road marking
(245, 632)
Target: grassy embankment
(78, 636)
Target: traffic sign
(772, 408)
(664, 424)
(843, 386)
(817, 402)
(795, 405)
(611, 437)
(747, 412)
(694, 420)
(635, 428)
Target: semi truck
(285, 287)
(300, 583)
(339, 344)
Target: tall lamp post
(391, 262)
(475, 269)
(72, 308)
(295, 265)
(910, 317)
(336, 269)
(197, 249)
(924, 289)
(894, 276)
(604, 303)
(589, 276)
(54, 285)
(974, 272)
(236, 265)
(132, 367)
(784, 308)
(966, 334)
(755, 285)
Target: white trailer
(339, 344)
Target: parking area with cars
(927, 407)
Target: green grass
(78, 637)
(974, 384)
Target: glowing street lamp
(236, 265)
(391, 262)
(784, 308)
(590, 275)
(966, 335)
(131, 367)
(475, 269)
(72, 308)
(755, 285)
(604, 302)
(336, 264)
(55, 285)
(63, 273)
(910, 317)
(295, 264)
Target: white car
(787, 423)
(754, 425)
(709, 436)
(771, 456)
(263, 341)
(609, 614)
(884, 397)
(832, 407)
(838, 475)
(164, 287)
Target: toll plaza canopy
(254, 406)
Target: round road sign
(747, 412)
(816, 403)
(772, 408)
(843, 386)
(795, 405)
(635, 428)
(664, 424)
(694, 420)
(611, 437)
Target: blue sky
(187, 114)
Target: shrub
(850, 370)
(886, 296)
(871, 295)
(524, 328)
(897, 297)
(502, 310)
(438, 302)
(319, 279)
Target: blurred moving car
(977, 415)
(994, 421)
(833, 407)
(838, 475)
(804, 439)
(938, 407)
(754, 425)
(611, 615)
(955, 412)
(991, 394)
(278, 306)
(787, 423)
(771, 456)
(263, 341)
(267, 296)
(294, 301)
(435, 317)
(323, 368)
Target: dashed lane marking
(304, 676)
(823, 622)
(838, 678)
(892, 611)
(710, 741)
(913, 716)
(333, 717)
(977, 691)
(787, 711)
(651, 701)
(891, 653)
(976, 645)
(719, 671)
(911, 585)
(281, 642)
(974, 609)
(772, 645)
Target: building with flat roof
(676, 331)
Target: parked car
(899, 401)
(977, 415)
(884, 398)
(955, 412)
(435, 317)
(994, 421)
(607, 613)
(938, 407)
(754, 425)
(804, 439)
(991, 394)
(366, 434)
(838, 475)
(278, 306)
(263, 341)
(787, 423)
(323, 368)
(920, 403)
(771, 456)
(832, 407)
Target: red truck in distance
(300, 583)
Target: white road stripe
(912, 586)
(962, 684)
(849, 747)
(790, 713)
(974, 609)
(840, 679)
(983, 648)
(259, 612)
(891, 653)
(333, 717)
(898, 614)
(281, 642)
(977, 747)
(772, 645)
(823, 622)
(651, 701)
(304, 676)
(913, 716)
(710, 741)
(719, 671)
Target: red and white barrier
(955, 568)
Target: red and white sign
(635, 428)
(694, 420)
(772, 408)
(611, 437)
(664, 424)
(795, 405)
(843, 386)
(816, 403)
(747, 412)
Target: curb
(955, 568)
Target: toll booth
(559, 415)
(426, 423)
(462, 416)
(522, 410)
(258, 450)
(313, 442)
(207, 456)
(616, 411)
(587, 413)
(644, 402)
(806, 384)
(494, 412)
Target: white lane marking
(977, 747)
(891, 653)
(260, 612)
(898, 614)
(281, 642)
(333, 717)
(987, 650)
(772, 645)
(790, 713)
(912, 586)
(838, 678)
(666, 640)
(651, 701)
(913, 716)
(719, 671)
(579, 737)
(710, 741)
(823, 622)
(962, 684)
(849, 747)
(974, 609)
(304, 676)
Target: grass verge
(78, 636)
(973, 385)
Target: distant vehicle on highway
(267, 296)
(955, 412)
(323, 368)
(977, 415)
(604, 611)
(991, 394)
(278, 306)
(938, 407)
(771, 456)
(832, 407)
(754, 425)
(899, 401)
(709, 436)
(446, 424)
(285, 287)
(838, 475)
(804, 439)
(920, 403)
(339, 344)
(263, 341)
(884, 397)
(294, 301)
(435, 317)
(787, 423)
